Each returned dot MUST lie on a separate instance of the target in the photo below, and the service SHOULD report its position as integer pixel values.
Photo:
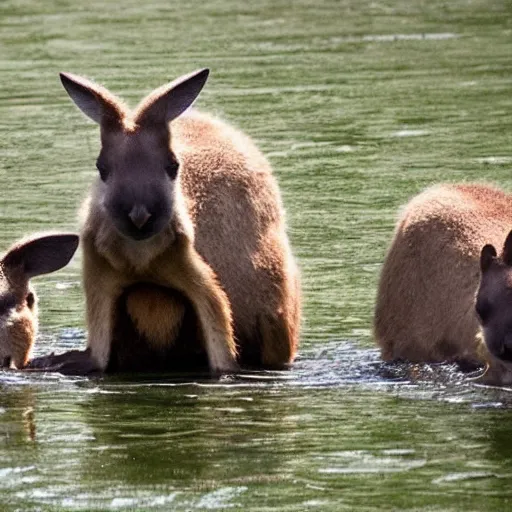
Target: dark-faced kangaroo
(185, 216)
(425, 308)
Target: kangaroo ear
(487, 256)
(42, 255)
(93, 100)
(169, 101)
(507, 250)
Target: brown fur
(426, 296)
(18, 328)
(18, 302)
(225, 247)
(157, 315)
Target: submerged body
(425, 308)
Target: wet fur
(425, 308)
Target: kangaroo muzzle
(139, 216)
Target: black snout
(139, 215)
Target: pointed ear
(487, 256)
(42, 255)
(93, 100)
(507, 250)
(169, 101)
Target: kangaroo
(183, 231)
(18, 301)
(425, 310)
(493, 308)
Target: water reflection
(285, 438)
(198, 432)
(17, 424)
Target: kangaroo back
(426, 294)
(239, 224)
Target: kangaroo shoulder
(204, 141)
(219, 163)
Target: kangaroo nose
(139, 216)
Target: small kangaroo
(425, 309)
(18, 302)
(493, 307)
(183, 231)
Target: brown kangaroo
(425, 309)
(183, 231)
(18, 302)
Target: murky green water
(359, 105)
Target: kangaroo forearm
(214, 314)
(192, 276)
(99, 327)
(103, 286)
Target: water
(359, 106)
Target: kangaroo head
(18, 304)
(136, 164)
(494, 299)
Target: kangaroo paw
(74, 362)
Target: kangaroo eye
(102, 168)
(30, 300)
(172, 168)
